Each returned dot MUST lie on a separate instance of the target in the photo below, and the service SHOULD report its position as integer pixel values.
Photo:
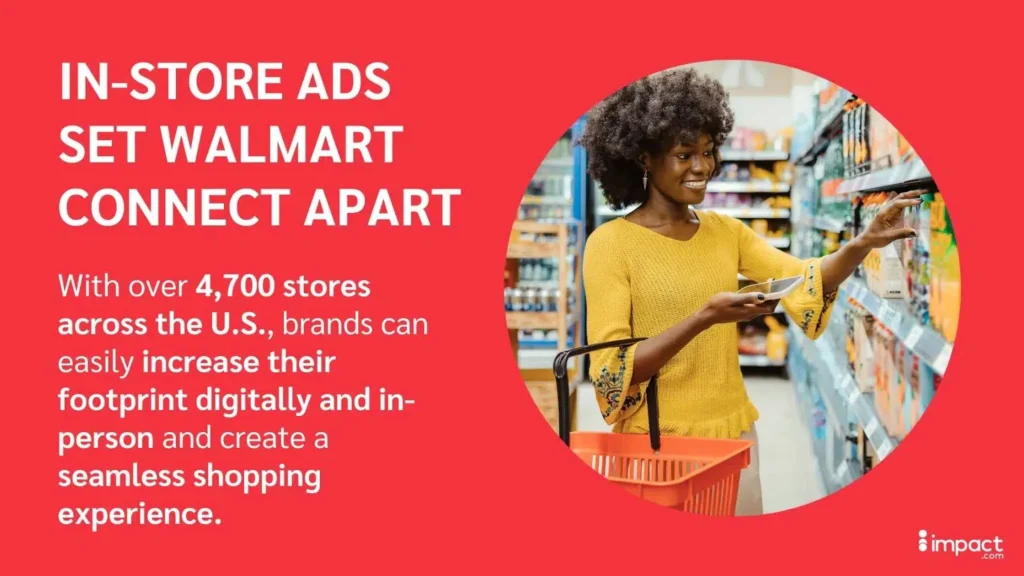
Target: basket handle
(562, 388)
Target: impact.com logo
(991, 549)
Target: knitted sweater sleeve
(607, 291)
(807, 306)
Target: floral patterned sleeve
(809, 306)
(606, 283)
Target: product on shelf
(860, 347)
(883, 141)
(751, 140)
(904, 149)
(898, 391)
(544, 212)
(539, 270)
(862, 150)
(885, 376)
(917, 259)
(920, 391)
(743, 200)
(883, 267)
(944, 272)
(776, 344)
(753, 340)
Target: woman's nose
(699, 165)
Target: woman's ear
(644, 161)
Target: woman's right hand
(728, 307)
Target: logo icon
(989, 548)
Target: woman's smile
(698, 185)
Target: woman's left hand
(888, 226)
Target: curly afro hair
(652, 115)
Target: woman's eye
(709, 153)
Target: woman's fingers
(910, 194)
(760, 309)
(901, 233)
(901, 204)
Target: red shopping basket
(693, 474)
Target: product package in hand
(774, 289)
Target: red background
(456, 483)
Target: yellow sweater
(638, 283)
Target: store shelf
(922, 340)
(861, 405)
(835, 406)
(748, 188)
(841, 395)
(532, 320)
(909, 175)
(741, 212)
(540, 359)
(829, 125)
(522, 250)
(737, 212)
(537, 199)
(760, 361)
(542, 284)
(829, 224)
(754, 156)
(560, 163)
(778, 242)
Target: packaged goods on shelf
(544, 213)
(885, 272)
(944, 272)
(860, 347)
(750, 140)
(776, 345)
(898, 392)
(904, 149)
(753, 341)
(884, 267)
(531, 300)
(740, 200)
(540, 270)
(917, 258)
(829, 94)
(829, 169)
(920, 390)
(904, 384)
(885, 376)
(884, 141)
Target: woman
(668, 273)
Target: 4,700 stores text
(211, 286)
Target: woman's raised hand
(888, 226)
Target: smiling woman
(663, 278)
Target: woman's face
(683, 172)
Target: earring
(645, 179)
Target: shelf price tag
(871, 427)
(883, 311)
(852, 398)
(942, 359)
(841, 472)
(914, 337)
(885, 449)
(895, 318)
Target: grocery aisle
(789, 473)
(806, 167)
